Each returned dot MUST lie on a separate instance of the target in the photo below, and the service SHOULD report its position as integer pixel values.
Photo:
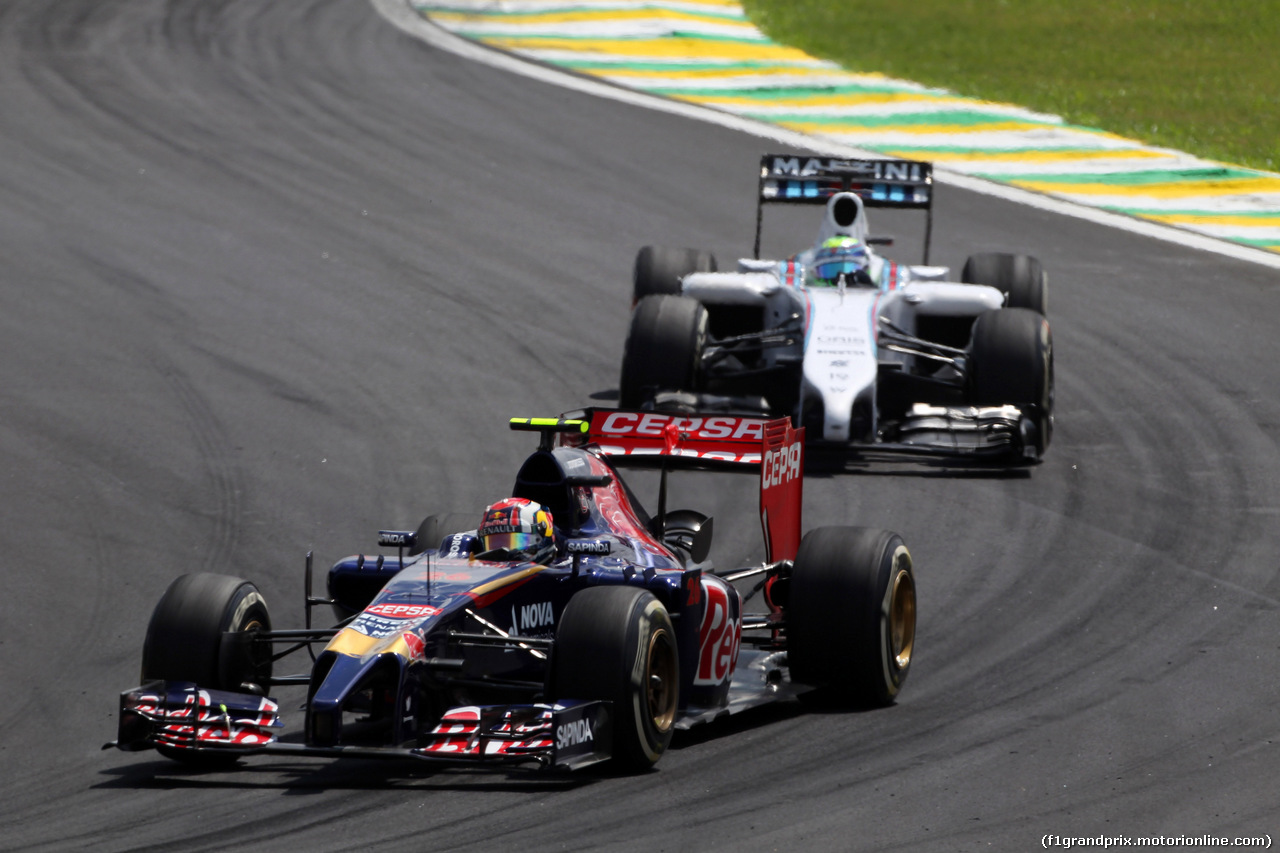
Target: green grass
(1202, 76)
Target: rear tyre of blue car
(659, 269)
(851, 615)
(617, 643)
(664, 348)
(434, 528)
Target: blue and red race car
(600, 651)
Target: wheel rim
(255, 672)
(661, 680)
(902, 618)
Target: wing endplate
(781, 489)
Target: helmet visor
(515, 543)
(832, 269)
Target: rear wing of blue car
(802, 179)
(630, 437)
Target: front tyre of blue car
(185, 642)
(617, 643)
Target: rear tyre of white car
(1011, 363)
(851, 615)
(1020, 278)
(617, 643)
(664, 347)
(659, 269)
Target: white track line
(401, 15)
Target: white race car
(865, 352)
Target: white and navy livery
(896, 358)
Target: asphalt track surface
(275, 275)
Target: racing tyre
(1011, 363)
(185, 642)
(664, 347)
(184, 638)
(659, 270)
(1020, 278)
(851, 614)
(434, 528)
(617, 643)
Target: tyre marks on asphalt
(1025, 656)
(706, 52)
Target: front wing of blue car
(184, 718)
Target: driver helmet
(839, 256)
(521, 527)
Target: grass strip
(1201, 76)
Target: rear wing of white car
(802, 179)
(701, 441)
